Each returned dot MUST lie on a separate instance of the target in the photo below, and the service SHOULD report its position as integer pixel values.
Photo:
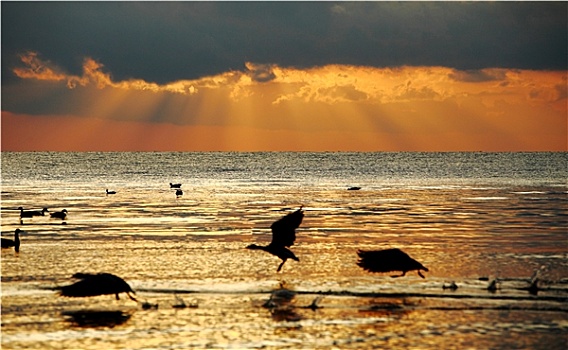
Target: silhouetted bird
(59, 214)
(25, 214)
(8, 243)
(110, 192)
(354, 188)
(175, 185)
(32, 213)
(283, 235)
(96, 284)
(534, 280)
(179, 193)
(493, 285)
(451, 286)
(388, 260)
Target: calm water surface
(465, 216)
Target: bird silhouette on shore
(283, 235)
(175, 185)
(8, 243)
(388, 260)
(59, 214)
(96, 284)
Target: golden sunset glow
(267, 107)
(285, 76)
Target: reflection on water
(96, 318)
(469, 219)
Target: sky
(284, 76)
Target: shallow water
(462, 215)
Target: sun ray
(265, 106)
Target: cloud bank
(165, 42)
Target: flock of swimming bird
(283, 237)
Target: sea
(491, 228)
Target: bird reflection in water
(97, 318)
(389, 308)
(281, 305)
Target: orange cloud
(333, 107)
(37, 69)
(331, 84)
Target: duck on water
(59, 214)
(8, 243)
(32, 213)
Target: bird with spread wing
(283, 236)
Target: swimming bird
(8, 243)
(493, 285)
(175, 185)
(110, 192)
(451, 286)
(93, 284)
(388, 260)
(25, 214)
(534, 281)
(283, 235)
(59, 214)
(354, 188)
(179, 192)
(32, 213)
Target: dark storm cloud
(163, 42)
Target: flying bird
(388, 260)
(59, 214)
(283, 235)
(91, 284)
(8, 243)
(175, 185)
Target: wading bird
(8, 243)
(110, 192)
(283, 235)
(92, 284)
(175, 185)
(59, 214)
(388, 260)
